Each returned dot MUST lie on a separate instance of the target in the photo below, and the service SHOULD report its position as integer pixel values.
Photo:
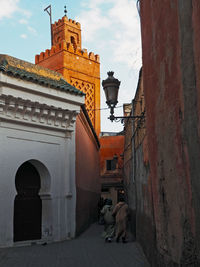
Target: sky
(110, 28)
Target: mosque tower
(80, 68)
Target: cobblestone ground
(88, 250)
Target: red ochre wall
(110, 146)
(171, 67)
(111, 179)
(87, 175)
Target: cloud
(23, 21)
(118, 20)
(32, 30)
(25, 12)
(8, 7)
(92, 21)
(94, 3)
(24, 36)
(127, 34)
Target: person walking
(109, 226)
(120, 212)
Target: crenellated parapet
(66, 30)
(68, 47)
(67, 21)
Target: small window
(111, 165)
(58, 39)
(73, 42)
(105, 190)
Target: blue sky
(110, 28)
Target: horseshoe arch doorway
(27, 204)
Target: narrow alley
(88, 250)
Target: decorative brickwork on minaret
(79, 68)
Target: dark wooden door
(28, 205)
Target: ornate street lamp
(111, 88)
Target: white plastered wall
(51, 149)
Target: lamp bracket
(122, 118)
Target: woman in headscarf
(109, 226)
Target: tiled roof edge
(42, 80)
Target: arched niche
(27, 204)
(33, 186)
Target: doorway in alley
(27, 205)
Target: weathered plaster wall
(136, 175)
(170, 45)
(87, 175)
(145, 227)
(129, 180)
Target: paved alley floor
(88, 250)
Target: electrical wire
(139, 122)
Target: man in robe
(121, 213)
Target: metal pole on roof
(48, 10)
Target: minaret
(79, 68)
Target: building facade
(38, 110)
(111, 165)
(81, 70)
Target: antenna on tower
(48, 10)
(65, 11)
